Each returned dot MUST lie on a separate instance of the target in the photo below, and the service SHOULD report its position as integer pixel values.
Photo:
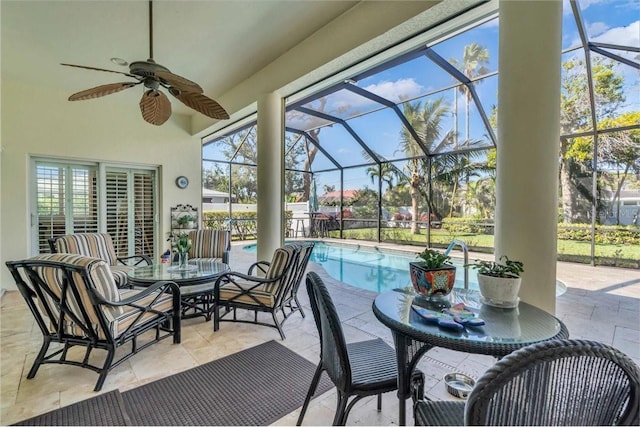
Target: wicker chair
(272, 289)
(98, 245)
(75, 302)
(357, 369)
(561, 382)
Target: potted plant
(185, 221)
(433, 275)
(499, 282)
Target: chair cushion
(234, 290)
(208, 243)
(122, 321)
(120, 274)
(279, 263)
(96, 245)
(100, 278)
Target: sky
(607, 21)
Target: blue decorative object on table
(455, 318)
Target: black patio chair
(99, 245)
(75, 302)
(561, 382)
(358, 369)
(268, 287)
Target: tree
(575, 112)
(474, 58)
(426, 121)
(616, 149)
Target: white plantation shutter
(144, 212)
(130, 210)
(117, 209)
(65, 201)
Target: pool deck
(601, 303)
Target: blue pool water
(371, 268)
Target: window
(71, 198)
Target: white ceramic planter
(499, 291)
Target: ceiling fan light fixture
(119, 61)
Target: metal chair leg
(312, 390)
(299, 306)
(39, 358)
(340, 418)
(105, 369)
(275, 320)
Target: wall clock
(182, 182)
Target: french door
(86, 198)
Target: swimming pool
(378, 270)
(372, 268)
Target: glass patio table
(505, 330)
(196, 283)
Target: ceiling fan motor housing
(146, 68)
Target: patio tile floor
(601, 303)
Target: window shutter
(117, 210)
(144, 212)
(66, 201)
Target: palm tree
(474, 58)
(426, 121)
(386, 172)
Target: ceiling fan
(154, 105)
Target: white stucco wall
(40, 121)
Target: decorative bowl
(459, 385)
(430, 282)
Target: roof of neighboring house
(624, 194)
(214, 193)
(335, 195)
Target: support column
(528, 143)
(270, 174)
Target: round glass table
(196, 283)
(505, 329)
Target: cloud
(623, 36)
(597, 28)
(346, 104)
(398, 90)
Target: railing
(465, 252)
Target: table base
(198, 305)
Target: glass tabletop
(522, 325)
(200, 270)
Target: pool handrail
(465, 252)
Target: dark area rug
(104, 410)
(256, 386)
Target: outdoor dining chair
(553, 383)
(268, 287)
(357, 369)
(99, 245)
(210, 244)
(76, 303)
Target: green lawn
(568, 250)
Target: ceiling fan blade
(155, 107)
(98, 91)
(179, 82)
(101, 69)
(201, 103)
